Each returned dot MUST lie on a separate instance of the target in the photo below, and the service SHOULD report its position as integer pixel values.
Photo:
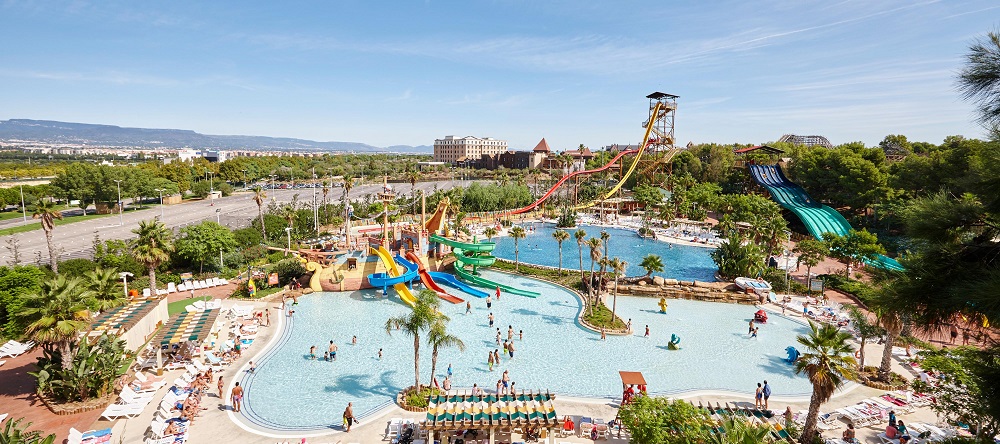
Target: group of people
(331, 352)
(762, 395)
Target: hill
(49, 131)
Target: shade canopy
(632, 378)
(188, 326)
(450, 412)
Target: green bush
(76, 267)
(419, 398)
(288, 270)
(861, 290)
(247, 237)
(93, 373)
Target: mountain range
(49, 131)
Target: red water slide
(569, 176)
(429, 282)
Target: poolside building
(451, 149)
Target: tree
(104, 286)
(205, 241)
(152, 248)
(490, 233)
(963, 391)
(57, 314)
(892, 323)
(46, 212)
(560, 236)
(648, 195)
(856, 246)
(259, 195)
(517, 233)
(595, 255)
(605, 237)
(618, 267)
(866, 329)
(978, 80)
(16, 433)
(438, 337)
(736, 430)
(581, 237)
(665, 421)
(828, 362)
(421, 318)
(736, 258)
(811, 252)
(652, 264)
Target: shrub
(76, 267)
(93, 373)
(288, 270)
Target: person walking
(349, 416)
(236, 396)
(468, 307)
(498, 292)
(220, 387)
(758, 396)
(767, 394)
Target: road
(76, 240)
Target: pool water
(679, 261)
(291, 392)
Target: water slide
(818, 218)
(450, 280)
(394, 276)
(428, 280)
(477, 260)
(637, 152)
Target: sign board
(272, 279)
(187, 276)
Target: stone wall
(695, 290)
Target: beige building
(451, 149)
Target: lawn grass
(38, 225)
(8, 215)
(178, 306)
(600, 316)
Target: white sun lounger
(115, 411)
(171, 288)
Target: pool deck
(219, 421)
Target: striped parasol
(188, 326)
(122, 318)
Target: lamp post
(288, 231)
(125, 275)
(211, 188)
(160, 190)
(315, 208)
(218, 216)
(244, 179)
(121, 207)
(24, 212)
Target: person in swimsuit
(758, 397)
(220, 386)
(312, 352)
(491, 319)
(237, 396)
(647, 331)
(354, 340)
(489, 360)
(510, 332)
(333, 351)
(380, 354)
(489, 302)
(521, 335)
(349, 416)
(510, 349)
(468, 307)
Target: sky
(408, 72)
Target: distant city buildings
(806, 140)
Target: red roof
(542, 147)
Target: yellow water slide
(392, 270)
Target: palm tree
(421, 318)
(892, 322)
(652, 264)
(105, 288)
(827, 362)
(287, 213)
(866, 330)
(438, 337)
(152, 247)
(259, 195)
(517, 233)
(46, 212)
(57, 314)
(735, 430)
(560, 236)
(581, 237)
(618, 267)
(605, 237)
(978, 80)
(490, 233)
(595, 255)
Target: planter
(72, 408)
(401, 401)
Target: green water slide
(477, 254)
(817, 218)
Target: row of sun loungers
(186, 286)
(214, 304)
(89, 437)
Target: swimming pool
(679, 261)
(290, 392)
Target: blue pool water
(291, 392)
(679, 261)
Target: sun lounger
(586, 425)
(886, 440)
(131, 397)
(115, 411)
(14, 349)
(215, 304)
(204, 283)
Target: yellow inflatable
(663, 305)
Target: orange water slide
(429, 282)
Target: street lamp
(315, 208)
(121, 207)
(244, 179)
(159, 190)
(125, 275)
(218, 216)
(24, 211)
(288, 231)
(211, 188)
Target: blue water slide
(452, 281)
(385, 280)
(817, 218)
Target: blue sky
(407, 72)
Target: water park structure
(818, 218)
